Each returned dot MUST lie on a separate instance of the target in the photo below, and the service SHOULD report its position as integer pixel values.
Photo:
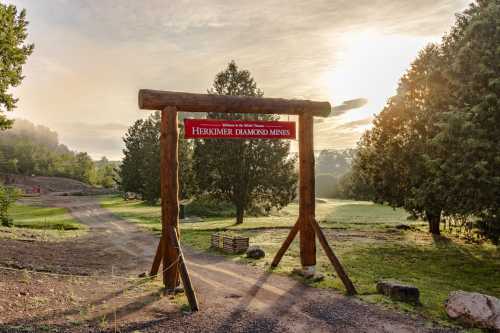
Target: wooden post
(169, 164)
(307, 203)
(351, 290)
(157, 259)
(286, 244)
(186, 280)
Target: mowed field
(365, 238)
(33, 219)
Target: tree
(8, 195)
(248, 173)
(13, 55)
(397, 157)
(129, 171)
(150, 166)
(139, 171)
(470, 130)
(434, 148)
(105, 173)
(84, 169)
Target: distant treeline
(30, 149)
(333, 174)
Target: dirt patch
(233, 297)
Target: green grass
(38, 217)
(363, 236)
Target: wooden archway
(170, 103)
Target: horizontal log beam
(159, 100)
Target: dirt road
(233, 297)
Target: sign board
(238, 129)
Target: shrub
(8, 195)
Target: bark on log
(333, 259)
(169, 163)
(159, 100)
(307, 203)
(157, 260)
(285, 245)
(186, 280)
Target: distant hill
(34, 150)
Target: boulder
(474, 309)
(255, 252)
(399, 291)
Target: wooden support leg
(307, 203)
(186, 280)
(286, 244)
(157, 259)
(333, 259)
(169, 163)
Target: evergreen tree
(396, 158)
(471, 131)
(248, 173)
(434, 148)
(139, 171)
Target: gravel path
(235, 297)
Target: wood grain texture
(169, 164)
(184, 273)
(157, 260)
(307, 202)
(286, 244)
(351, 290)
(159, 100)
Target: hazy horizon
(91, 58)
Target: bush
(8, 195)
(489, 228)
(206, 207)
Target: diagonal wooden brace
(286, 244)
(333, 258)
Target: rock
(474, 309)
(255, 252)
(310, 275)
(399, 291)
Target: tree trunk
(434, 219)
(240, 211)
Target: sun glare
(368, 65)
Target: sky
(91, 57)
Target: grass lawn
(39, 217)
(364, 237)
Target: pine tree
(248, 173)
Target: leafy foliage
(140, 168)
(28, 149)
(8, 195)
(248, 173)
(13, 55)
(434, 148)
(470, 131)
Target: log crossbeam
(170, 103)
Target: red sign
(237, 129)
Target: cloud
(96, 139)
(356, 123)
(91, 57)
(348, 105)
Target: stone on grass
(474, 309)
(255, 252)
(399, 291)
(309, 275)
